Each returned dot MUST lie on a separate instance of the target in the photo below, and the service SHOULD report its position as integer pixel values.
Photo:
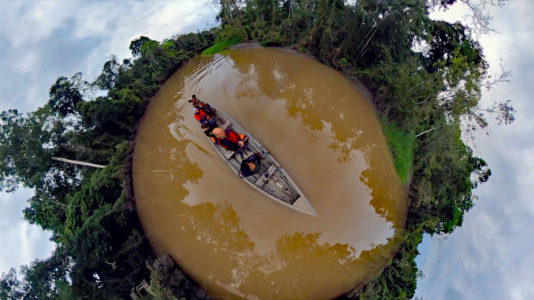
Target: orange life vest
(234, 137)
(200, 114)
(231, 136)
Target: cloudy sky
(489, 257)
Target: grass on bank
(401, 144)
(221, 45)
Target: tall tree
(66, 94)
(44, 277)
(106, 79)
(135, 45)
(24, 149)
(11, 287)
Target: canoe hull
(272, 180)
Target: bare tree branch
(503, 76)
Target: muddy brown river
(231, 239)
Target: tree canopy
(101, 249)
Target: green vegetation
(392, 282)
(422, 98)
(101, 249)
(220, 46)
(401, 145)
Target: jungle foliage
(100, 246)
(426, 76)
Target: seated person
(251, 165)
(194, 100)
(208, 127)
(203, 106)
(229, 139)
(200, 115)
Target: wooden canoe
(271, 180)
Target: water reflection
(230, 238)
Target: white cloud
(26, 22)
(21, 242)
(27, 62)
(59, 38)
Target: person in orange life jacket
(229, 139)
(206, 122)
(251, 165)
(206, 108)
(200, 115)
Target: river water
(227, 236)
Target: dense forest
(426, 77)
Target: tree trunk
(77, 162)
(420, 134)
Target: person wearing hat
(251, 165)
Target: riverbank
(355, 83)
